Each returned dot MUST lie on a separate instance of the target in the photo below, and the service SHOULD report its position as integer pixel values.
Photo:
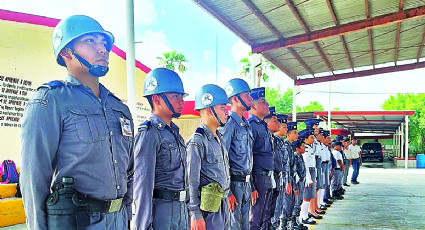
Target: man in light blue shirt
(77, 139)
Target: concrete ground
(386, 198)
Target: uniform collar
(208, 132)
(241, 121)
(72, 80)
(160, 124)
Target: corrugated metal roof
(310, 39)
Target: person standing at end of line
(356, 160)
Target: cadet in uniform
(300, 176)
(336, 179)
(77, 139)
(346, 143)
(314, 124)
(355, 158)
(279, 163)
(326, 166)
(160, 184)
(238, 141)
(327, 140)
(310, 183)
(208, 163)
(289, 175)
(263, 164)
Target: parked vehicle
(372, 151)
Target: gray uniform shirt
(238, 141)
(160, 163)
(68, 131)
(208, 162)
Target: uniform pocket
(214, 157)
(242, 143)
(169, 155)
(90, 123)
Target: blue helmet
(73, 27)
(235, 87)
(210, 95)
(162, 80)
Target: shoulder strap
(52, 85)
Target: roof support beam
(344, 45)
(300, 60)
(254, 9)
(339, 30)
(307, 31)
(369, 35)
(360, 73)
(421, 46)
(397, 39)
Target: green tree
(172, 59)
(282, 102)
(414, 102)
(262, 70)
(313, 106)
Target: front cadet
(77, 139)
(160, 183)
(310, 183)
(263, 164)
(300, 176)
(208, 163)
(238, 141)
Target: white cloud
(239, 50)
(154, 45)
(144, 12)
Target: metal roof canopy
(325, 40)
(383, 122)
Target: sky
(181, 25)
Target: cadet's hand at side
(198, 224)
(254, 196)
(297, 192)
(288, 189)
(232, 202)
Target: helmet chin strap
(243, 103)
(95, 70)
(216, 117)
(170, 107)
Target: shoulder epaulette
(200, 131)
(250, 120)
(145, 125)
(52, 85)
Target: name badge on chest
(126, 127)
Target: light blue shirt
(68, 131)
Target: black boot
(296, 223)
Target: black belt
(325, 162)
(170, 195)
(240, 178)
(337, 169)
(262, 172)
(356, 158)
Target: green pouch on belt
(211, 195)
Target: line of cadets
(232, 173)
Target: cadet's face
(262, 106)
(222, 112)
(338, 147)
(273, 124)
(328, 139)
(92, 48)
(176, 100)
(353, 142)
(310, 140)
(319, 137)
(292, 135)
(246, 97)
(284, 129)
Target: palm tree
(261, 69)
(172, 59)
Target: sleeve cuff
(196, 214)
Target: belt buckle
(247, 178)
(182, 195)
(115, 205)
